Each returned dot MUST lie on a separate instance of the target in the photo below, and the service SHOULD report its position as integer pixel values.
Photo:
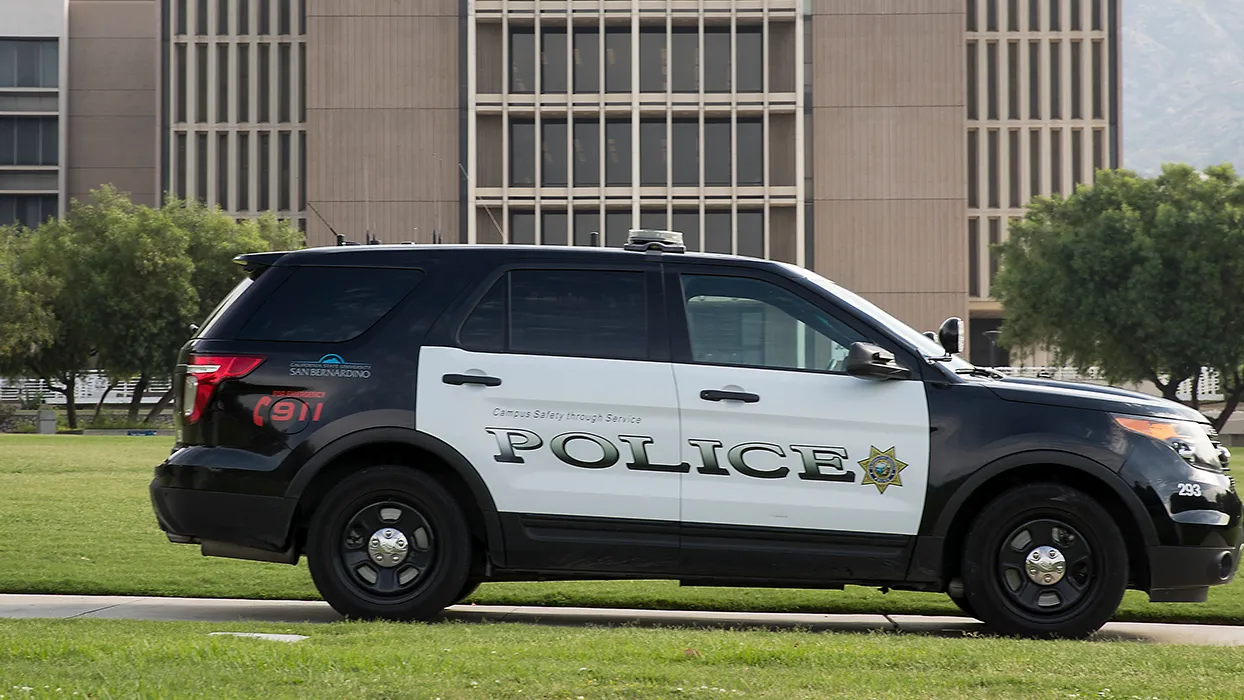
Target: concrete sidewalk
(229, 610)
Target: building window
(522, 153)
(1034, 15)
(244, 171)
(222, 83)
(718, 161)
(973, 169)
(1012, 15)
(587, 152)
(201, 168)
(244, 83)
(200, 17)
(302, 82)
(1096, 15)
(686, 60)
(284, 20)
(302, 171)
(200, 64)
(222, 170)
(29, 141)
(717, 235)
(653, 60)
(179, 185)
(1077, 100)
(1055, 16)
(182, 20)
(750, 71)
(751, 233)
(522, 228)
(717, 63)
(1034, 162)
(283, 76)
(751, 152)
(1099, 155)
(522, 61)
(1097, 81)
(1012, 68)
(618, 152)
(179, 58)
(974, 258)
(265, 171)
(1077, 157)
(1014, 169)
(1056, 161)
(617, 60)
(265, 17)
(284, 191)
(1034, 80)
(587, 60)
(553, 228)
(688, 224)
(587, 228)
(991, 15)
(991, 78)
(244, 17)
(652, 152)
(684, 153)
(265, 74)
(973, 93)
(995, 237)
(29, 210)
(994, 175)
(970, 14)
(652, 219)
(553, 147)
(1056, 82)
(1075, 16)
(222, 17)
(553, 61)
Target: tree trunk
(136, 400)
(1232, 394)
(160, 406)
(1194, 399)
(71, 408)
(100, 405)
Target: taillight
(204, 373)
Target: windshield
(927, 347)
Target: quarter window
(572, 313)
(750, 322)
(329, 305)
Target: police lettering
(758, 460)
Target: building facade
(884, 143)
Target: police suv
(420, 419)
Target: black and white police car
(420, 419)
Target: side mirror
(870, 361)
(931, 335)
(951, 335)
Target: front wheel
(389, 542)
(1044, 560)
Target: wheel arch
(375, 446)
(1066, 468)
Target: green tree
(26, 320)
(1140, 277)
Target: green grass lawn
(74, 518)
(107, 658)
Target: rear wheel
(389, 542)
(1044, 560)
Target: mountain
(1183, 83)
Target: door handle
(715, 395)
(460, 379)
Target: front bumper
(223, 522)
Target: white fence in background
(90, 386)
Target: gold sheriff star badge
(882, 468)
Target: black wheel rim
(1028, 574)
(387, 550)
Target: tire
(964, 605)
(1013, 527)
(467, 590)
(408, 520)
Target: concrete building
(883, 143)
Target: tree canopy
(117, 285)
(1142, 278)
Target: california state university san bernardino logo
(882, 469)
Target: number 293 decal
(1187, 489)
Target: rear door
(560, 393)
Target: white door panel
(811, 431)
(559, 435)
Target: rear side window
(329, 304)
(572, 313)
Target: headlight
(1189, 440)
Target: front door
(798, 469)
(553, 397)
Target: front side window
(572, 313)
(750, 322)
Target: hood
(1048, 392)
